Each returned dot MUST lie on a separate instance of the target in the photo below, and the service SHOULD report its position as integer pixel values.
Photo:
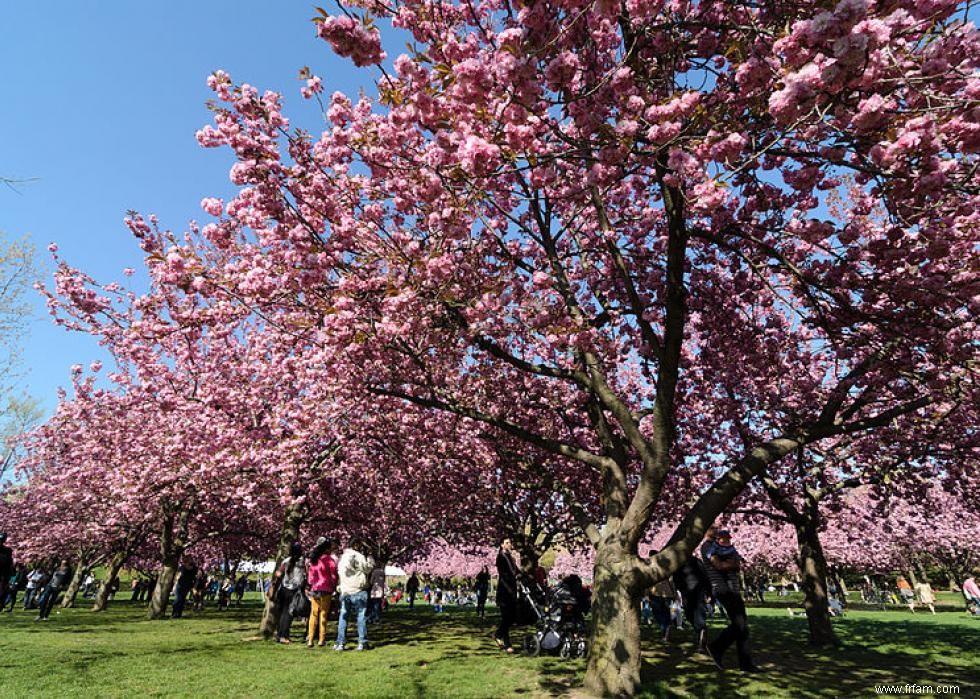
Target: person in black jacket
(482, 590)
(6, 567)
(59, 581)
(506, 594)
(691, 581)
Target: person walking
(321, 577)
(506, 594)
(923, 591)
(722, 564)
(290, 579)
(59, 581)
(185, 583)
(482, 587)
(353, 570)
(412, 589)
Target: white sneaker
(338, 646)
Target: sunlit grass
(420, 654)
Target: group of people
(41, 586)
(305, 586)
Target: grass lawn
(420, 654)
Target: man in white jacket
(353, 571)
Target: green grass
(420, 654)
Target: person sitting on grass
(722, 563)
(926, 596)
(905, 591)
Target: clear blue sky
(101, 101)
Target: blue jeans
(351, 604)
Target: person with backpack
(321, 576)
(289, 581)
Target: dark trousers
(508, 614)
(180, 601)
(661, 611)
(11, 599)
(411, 600)
(374, 609)
(737, 630)
(48, 598)
(30, 598)
(481, 603)
(284, 599)
(694, 607)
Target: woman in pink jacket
(321, 578)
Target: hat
(320, 542)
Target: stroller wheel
(532, 645)
(582, 648)
(565, 651)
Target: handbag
(300, 605)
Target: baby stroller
(560, 626)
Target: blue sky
(101, 101)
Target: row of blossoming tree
(626, 265)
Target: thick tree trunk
(172, 544)
(165, 585)
(295, 514)
(613, 668)
(81, 569)
(111, 575)
(813, 568)
(911, 577)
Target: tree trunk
(165, 585)
(295, 514)
(172, 545)
(911, 577)
(813, 568)
(613, 668)
(111, 574)
(75, 585)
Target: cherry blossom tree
(554, 218)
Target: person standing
(412, 589)
(482, 587)
(321, 577)
(6, 567)
(353, 569)
(33, 589)
(59, 580)
(722, 564)
(693, 586)
(17, 582)
(660, 599)
(506, 594)
(291, 577)
(185, 583)
(376, 587)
